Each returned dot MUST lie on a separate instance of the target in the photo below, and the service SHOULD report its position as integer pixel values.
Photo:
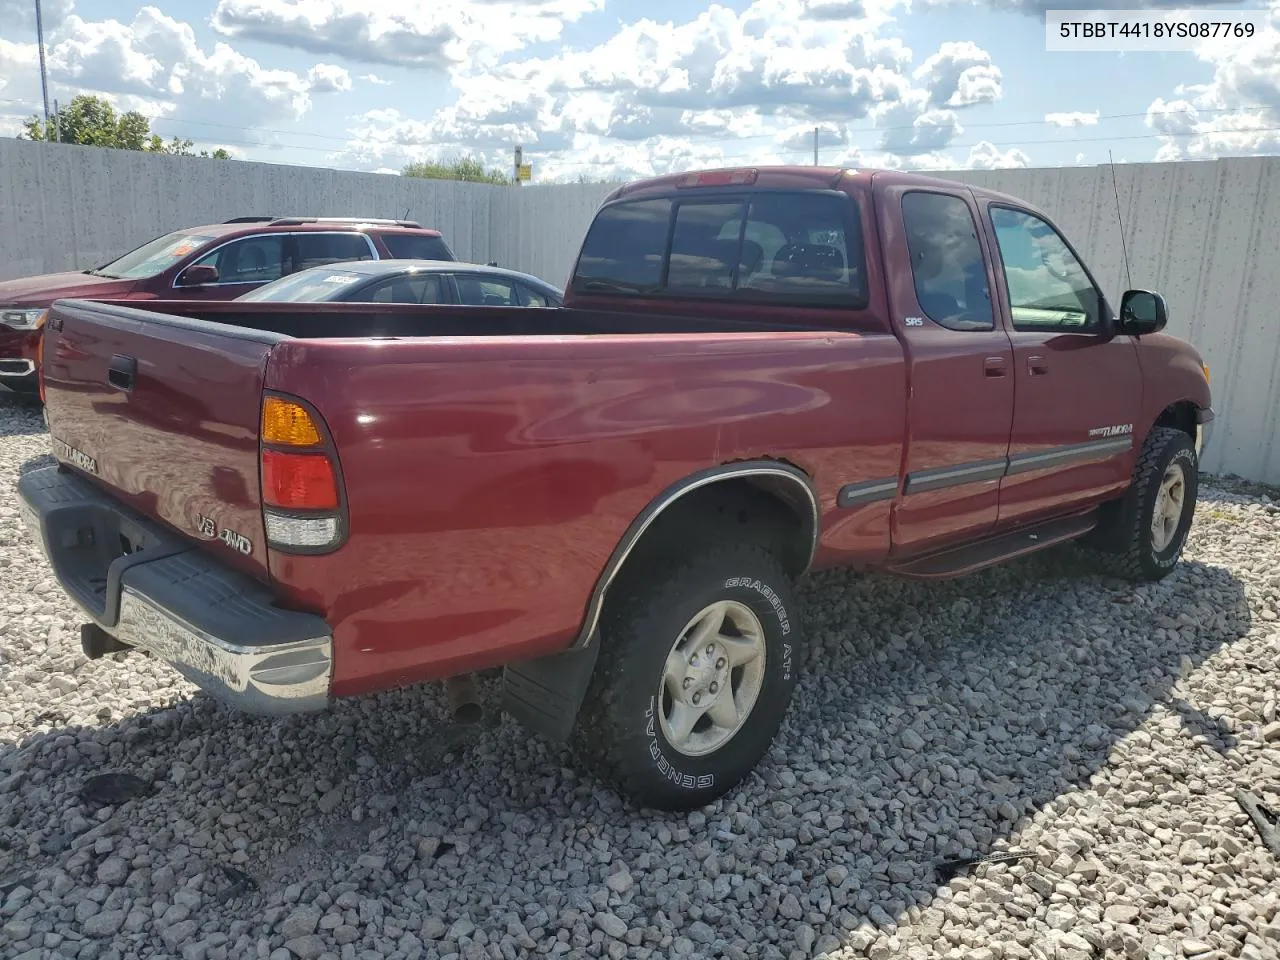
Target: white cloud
(18, 17)
(155, 65)
(1237, 113)
(1072, 119)
(416, 33)
(960, 74)
(756, 81)
(327, 78)
(375, 80)
(987, 156)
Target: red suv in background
(215, 262)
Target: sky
(619, 89)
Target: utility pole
(57, 122)
(815, 146)
(44, 79)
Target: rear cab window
(789, 246)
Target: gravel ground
(1037, 707)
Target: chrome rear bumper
(215, 626)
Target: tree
(468, 168)
(92, 121)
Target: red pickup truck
(214, 262)
(756, 373)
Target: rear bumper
(217, 627)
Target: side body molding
(780, 477)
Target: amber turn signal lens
(1205, 368)
(288, 424)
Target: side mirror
(198, 275)
(1142, 311)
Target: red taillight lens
(298, 481)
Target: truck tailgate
(163, 412)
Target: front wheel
(696, 670)
(1142, 536)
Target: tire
(624, 732)
(1126, 542)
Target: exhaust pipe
(464, 704)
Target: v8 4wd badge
(207, 529)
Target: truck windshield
(785, 246)
(308, 286)
(153, 257)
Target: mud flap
(545, 694)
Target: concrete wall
(65, 207)
(1202, 233)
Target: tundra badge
(1119, 430)
(78, 458)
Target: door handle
(121, 371)
(993, 367)
(1036, 366)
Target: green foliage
(468, 168)
(92, 121)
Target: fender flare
(770, 470)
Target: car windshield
(154, 257)
(320, 283)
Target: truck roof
(794, 177)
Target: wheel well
(769, 504)
(1179, 416)
(745, 508)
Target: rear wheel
(697, 666)
(1142, 536)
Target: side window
(251, 260)
(1048, 288)
(419, 288)
(317, 249)
(531, 297)
(486, 291)
(624, 247)
(946, 261)
(704, 245)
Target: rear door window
(486, 291)
(410, 288)
(318, 249)
(946, 261)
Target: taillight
(303, 506)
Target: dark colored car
(755, 373)
(214, 262)
(410, 281)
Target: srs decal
(1118, 430)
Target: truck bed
(488, 473)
